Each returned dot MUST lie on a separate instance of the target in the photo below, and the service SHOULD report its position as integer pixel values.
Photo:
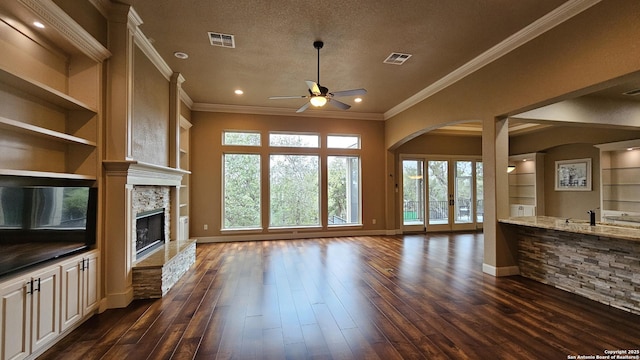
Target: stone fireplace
(133, 188)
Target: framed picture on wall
(573, 175)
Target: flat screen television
(41, 223)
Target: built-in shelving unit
(51, 84)
(620, 179)
(185, 164)
(526, 184)
(49, 128)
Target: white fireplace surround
(132, 187)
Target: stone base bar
(585, 261)
(155, 274)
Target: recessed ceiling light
(239, 92)
(180, 55)
(38, 24)
(357, 100)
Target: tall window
(294, 187)
(241, 182)
(343, 187)
(241, 206)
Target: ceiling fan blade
(313, 87)
(303, 107)
(353, 92)
(339, 104)
(287, 97)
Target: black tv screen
(40, 223)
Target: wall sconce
(510, 168)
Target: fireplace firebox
(149, 231)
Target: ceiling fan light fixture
(318, 101)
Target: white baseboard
(289, 235)
(500, 271)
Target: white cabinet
(29, 313)
(79, 288)
(36, 307)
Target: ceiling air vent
(396, 58)
(633, 92)
(224, 40)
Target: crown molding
(67, 28)
(150, 52)
(186, 99)
(554, 18)
(258, 110)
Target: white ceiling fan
(320, 95)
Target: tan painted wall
(589, 49)
(434, 144)
(206, 163)
(571, 204)
(150, 125)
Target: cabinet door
(71, 299)
(15, 319)
(90, 291)
(45, 324)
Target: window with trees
(246, 138)
(294, 189)
(241, 205)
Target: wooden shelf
(43, 92)
(45, 174)
(21, 127)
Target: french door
(440, 194)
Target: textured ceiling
(274, 51)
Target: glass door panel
(413, 195)
(479, 194)
(463, 191)
(439, 198)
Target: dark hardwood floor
(393, 297)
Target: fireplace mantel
(141, 173)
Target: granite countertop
(576, 226)
(628, 218)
